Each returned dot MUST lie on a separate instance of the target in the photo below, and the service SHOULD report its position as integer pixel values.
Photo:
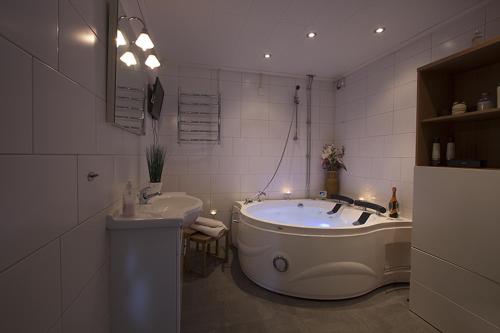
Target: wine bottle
(393, 205)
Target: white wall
(254, 128)
(375, 112)
(53, 244)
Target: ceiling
(236, 33)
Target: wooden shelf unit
(460, 77)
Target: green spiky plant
(155, 155)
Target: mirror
(127, 73)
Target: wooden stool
(186, 242)
(204, 241)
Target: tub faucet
(259, 195)
(144, 197)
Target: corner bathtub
(304, 252)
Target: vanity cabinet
(146, 282)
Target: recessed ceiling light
(267, 55)
(311, 34)
(379, 30)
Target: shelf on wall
(468, 116)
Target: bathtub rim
(269, 225)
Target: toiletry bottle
(498, 95)
(450, 150)
(128, 201)
(436, 152)
(393, 205)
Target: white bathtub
(304, 252)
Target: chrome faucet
(259, 195)
(144, 197)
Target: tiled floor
(227, 301)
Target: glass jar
(484, 102)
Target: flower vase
(332, 183)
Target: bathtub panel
(320, 267)
(447, 229)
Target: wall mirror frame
(127, 75)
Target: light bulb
(267, 55)
(213, 212)
(128, 58)
(379, 30)
(152, 61)
(120, 39)
(311, 34)
(144, 41)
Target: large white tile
(251, 128)
(406, 70)
(225, 183)
(254, 110)
(400, 145)
(355, 128)
(96, 194)
(33, 25)
(405, 120)
(90, 312)
(405, 96)
(230, 90)
(31, 297)
(386, 168)
(379, 124)
(64, 114)
(109, 138)
(407, 167)
(380, 78)
(83, 252)
(231, 127)
(414, 48)
(82, 56)
(194, 183)
(246, 146)
(17, 96)
(371, 146)
(95, 15)
(380, 102)
(50, 181)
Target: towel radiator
(198, 117)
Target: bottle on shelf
(450, 149)
(498, 95)
(393, 205)
(436, 152)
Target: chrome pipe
(310, 78)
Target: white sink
(167, 210)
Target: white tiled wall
(53, 245)
(255, 123)
(375, 114)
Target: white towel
(216, 232)
(210, 223)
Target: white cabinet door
(457, 217)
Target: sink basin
(173, 209)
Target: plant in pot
(332, 160)
(155, 155)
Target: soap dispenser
(128, 201)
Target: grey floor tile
(227, 301)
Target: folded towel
(210, 223)
(215, 232)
